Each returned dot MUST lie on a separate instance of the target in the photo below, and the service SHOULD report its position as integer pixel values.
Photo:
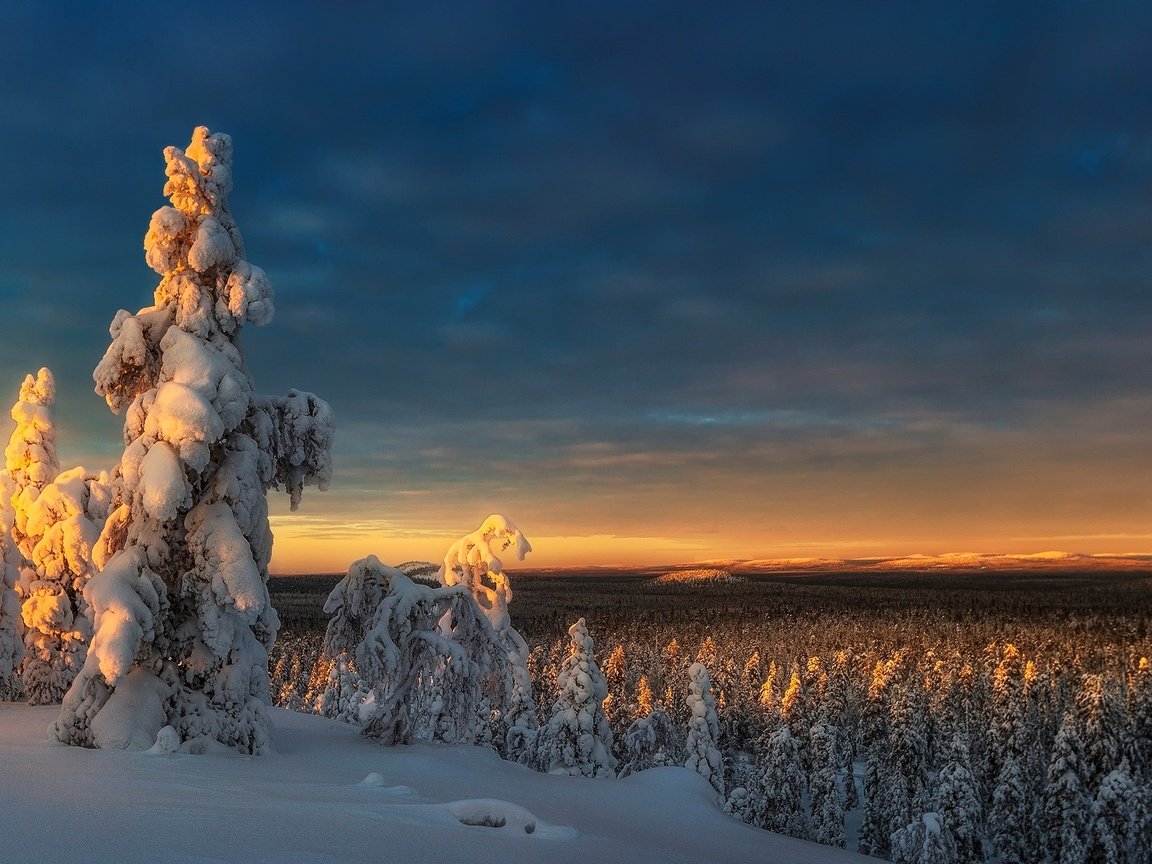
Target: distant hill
(953, 561)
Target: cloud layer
(746, 279)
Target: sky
(662, 282)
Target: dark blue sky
(708, 279)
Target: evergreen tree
(577, 739)
(702, 755)
(1100, 724)
(783, 783)
(958, 804)
(926, 840)
(30, 457)
(823, 792)
(11, 626)
(1008, 818)
(1118, 826)
(61, 527)
(877, 825)
(182, 618)
(651, 742)
(1065, 804)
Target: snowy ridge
(329, 795)
(949, 561)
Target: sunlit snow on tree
(182, 620)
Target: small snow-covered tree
(11, 627)
(473, 561)
(701, 753)
(182, 618)
(577, 739)
(651, 741)
(62, 526)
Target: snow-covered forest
(136, 598)
(914, 717)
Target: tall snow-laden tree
(958, 804)
(30, 457)
(701, 753)
(1009, 816)
(62, 527)
(783, 784)
(11, 628)
(473, 561)
(1100, 724)
(182, 618)
(1118, 821)
(1066, 804)
(823, 791)
(577, 739)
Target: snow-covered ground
(329, 795)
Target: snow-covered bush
(182, 619)
(701, 754)
(577, 739)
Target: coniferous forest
(953, 717)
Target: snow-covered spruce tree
(1008, 818)
(823, 791)
(701, 753)
(30, 457)
(11, 627)
(926, 840)
(472, 561)
(1118, 821)
(576, 739)
(783, 784)
(182, 618)
(1065, 805)
(62, 526)
(958, 803)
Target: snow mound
(492, 813)
(376, 781)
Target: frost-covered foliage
(577, 739)
(61, 529)
(472, 561)
(700, 750)
(783, 784)
(428, 664)
(926, 840)
(11, 627)
(431, 663)
(30, 457)
(182, 619)
(652, 741)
